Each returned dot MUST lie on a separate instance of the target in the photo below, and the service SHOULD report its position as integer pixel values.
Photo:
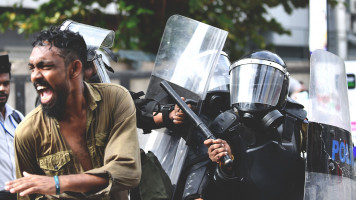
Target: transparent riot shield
(94, 38)
(170, 150)
(220, 81)
(329, 167)
(187, 56)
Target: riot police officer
(195, 174)
(263, 134)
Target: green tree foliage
(139, 24)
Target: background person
(9, 120)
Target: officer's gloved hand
(217, 149)
(170, 119)
(177, 115)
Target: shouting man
(81, 143)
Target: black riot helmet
(259, 82)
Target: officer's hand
(177, 115)
(217, 149)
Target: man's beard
(2, 103)
(56, 108)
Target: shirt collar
(93, 96)
(8, 111)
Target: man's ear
(75, 69)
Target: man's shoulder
(111, 91)
(109, 87)
(115, 97)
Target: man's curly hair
(71, 45)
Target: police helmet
(258, 82)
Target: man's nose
(36, 74)
(2, 87)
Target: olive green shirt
(111, 139)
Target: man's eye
(31, 67)
(47, 66)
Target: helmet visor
(255, 86)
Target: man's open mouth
(45, 93)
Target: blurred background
(290, 28)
